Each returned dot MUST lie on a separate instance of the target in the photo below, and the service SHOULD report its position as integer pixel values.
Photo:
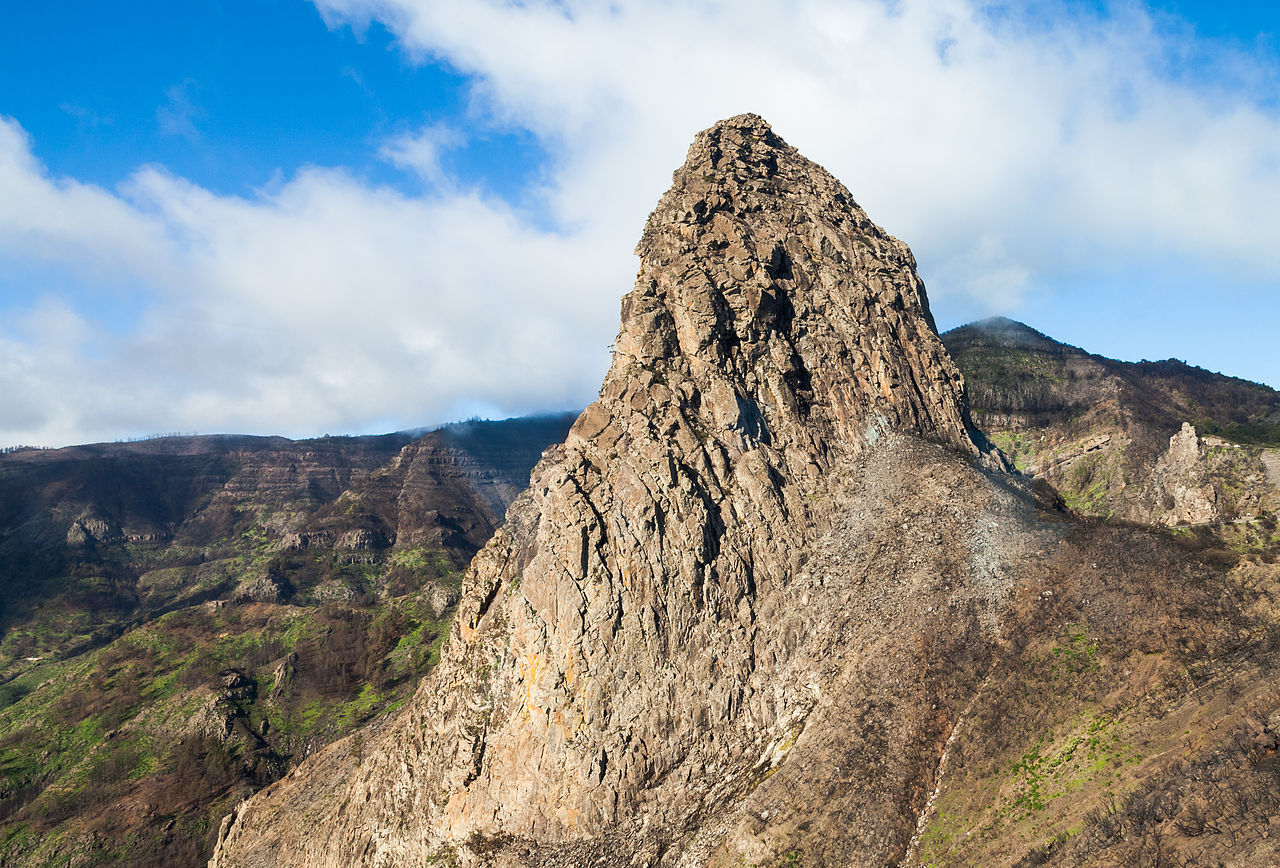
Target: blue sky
(282, 216)
(228, 94)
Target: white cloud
(951, 121)
(65, 221)
(420, 152)
(1008, 153)
(986, 270)
(325, 306)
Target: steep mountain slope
(84, 526)
(1155, 442)
(186, 617)
(770, 604)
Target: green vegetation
(123, 710)
(1061, 763)
(1066, 754)
(1075, 655)
(1253, 433)
(150, 714)
(1022, 448)
(1091, 483)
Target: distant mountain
(1157, 442)
(184, 618)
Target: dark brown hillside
(186, 618)
(1019, 376)
(86, 523)
(1101, 431)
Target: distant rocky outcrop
(1178, 478)
(1153, 442)
(89, 530)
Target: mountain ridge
(1023, 336)
(1153, 442)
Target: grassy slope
(164, 692)
(1127, 728)
(134, 751)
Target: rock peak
(761, 273)
(742, 136)
(616, 660)
(746, 120)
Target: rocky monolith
(682, 590)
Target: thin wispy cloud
(85, 116)
(179, 113)
(421, 152)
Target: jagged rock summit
(670, 615)
(797, 318)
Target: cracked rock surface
(740, 610)
(644, 640)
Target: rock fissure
(930, 804)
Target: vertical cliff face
(644, 641)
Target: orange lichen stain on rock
(569, 818)
(457, 823)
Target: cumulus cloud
(327, 305)
(1013, 150)
(65, 221)
(1061, 134)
